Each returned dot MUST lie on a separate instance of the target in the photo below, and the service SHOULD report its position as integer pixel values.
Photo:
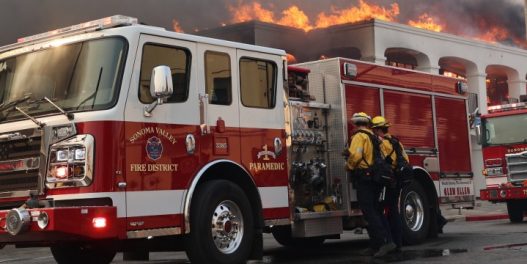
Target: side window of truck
(218, 77)
(178, 59)
(257, 83)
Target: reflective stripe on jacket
(360, 147)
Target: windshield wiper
(40, 124)
(11, 104)
(69, 115)
(94, 94)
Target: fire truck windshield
(505, 130)
(81, 76)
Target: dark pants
(368, 197)
(391, 203)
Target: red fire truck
(501, 133)
(116, 136)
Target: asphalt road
(463, 242)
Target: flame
(494, 34)
(294, 17)
(176, 26)
(290, 58)
(253, 11)
(427, 22)
(354, 14)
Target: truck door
(262, 123)
(161, 150)
(220, 107)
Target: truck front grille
(517, 166)
(19, 161)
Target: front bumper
(65, 224)
(503, 194)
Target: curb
(474, 218)
(486, 217)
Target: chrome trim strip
(32, 163)
(394, 88)
(277, 222)
(170, 231)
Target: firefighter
(391, 200)
(368, 191)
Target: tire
(515, 209)
(83, 254)
(282, 235)
(220, 210)
(415, 213)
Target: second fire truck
(502, 135)
(116, 136)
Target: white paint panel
(274, 197)
(144, 203)
(118, 199)
(495, 181)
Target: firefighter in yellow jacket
(391, 201)
(359, 163)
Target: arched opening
(498, 90)
(406, 58)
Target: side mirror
(478, 134)
(161, 87)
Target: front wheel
(222, 224)
(415, 213)
(83, 254)
(515, 209)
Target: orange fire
(494, 35)
(290, 58)
(253, 11)
(176, 27)
(294, 16)
(354, 14)
(427, 22)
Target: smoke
(20, 18)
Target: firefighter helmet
(360, 117)
(379, 121)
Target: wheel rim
(227, 227)
(413, 211)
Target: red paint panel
(69, 223)
(452, 133)
(154, 221)
(259, 157)
(384, 75)
(157, 158)
(411, 118)
(276, 213)
(361, 99)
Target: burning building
(496, 73)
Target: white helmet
(360, 117)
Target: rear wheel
(515, 209)
(83, 254)
(415, 213)
(222, 224)
(282, 235)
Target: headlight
(71, 162)
(494, 171)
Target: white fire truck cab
(116, 136)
